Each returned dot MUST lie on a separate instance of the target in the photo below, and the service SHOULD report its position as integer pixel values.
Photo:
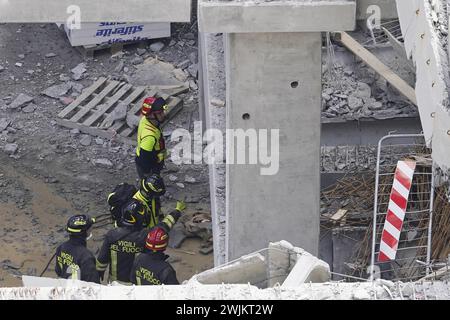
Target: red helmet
(153, 105)
(157, 239)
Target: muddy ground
(51, 175)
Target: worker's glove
(180, 206)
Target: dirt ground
(52, 176)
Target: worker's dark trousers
(142, 174)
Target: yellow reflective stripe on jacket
(169, 220)
(138, 281)
(75, 275)
(109, 196)
(113, 265)
(100, 266)
(148, 136)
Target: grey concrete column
(275, 78)
(273, 81)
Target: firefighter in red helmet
(150, 267)
(151, 149)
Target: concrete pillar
(273, 81)
(275, 78)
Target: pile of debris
(365, 95)
(348, 158)
(196, 224)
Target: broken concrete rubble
(10, 148)
(21, 100)
(86, 141)
(36, 288)
(156, 47)
(280, 263)
(58, 90)
(119, 113)
(354, 95)
(79, 71)
(29, 108)
(4, 123)
(105, 163)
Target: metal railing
(415, 237)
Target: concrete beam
(96, 11)
(276, 16)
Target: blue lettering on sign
(119, 31)
(118, 40)
(102, 24)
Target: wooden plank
(397, 82)
(98, 98)
(117, 125)
(171, 90)
(128, 132)
(83, 96)
(89, 130)
(96, 115)
(339, 215)
(134, 109)
(133, 96)
(136, 93)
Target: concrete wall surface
(432, 65)
(261, 70)
(388, 9)
(276, 16)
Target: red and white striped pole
(396, 210)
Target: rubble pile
(363, 94)
(348, 158)
(79, 168)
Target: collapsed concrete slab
(280, 263)
(248, 269)
(307, 269)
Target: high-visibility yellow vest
(149, 138)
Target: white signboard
(116, 32)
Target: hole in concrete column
(294, 84)
(245, 116)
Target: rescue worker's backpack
(120, 196)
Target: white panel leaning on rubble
(423, 43)
(284, 264)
